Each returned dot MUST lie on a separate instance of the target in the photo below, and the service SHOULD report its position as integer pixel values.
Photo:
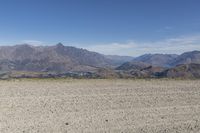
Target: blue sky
(124, 27)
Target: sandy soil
(100, 106)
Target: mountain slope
(50, 58)
(118, 60)
(187, 58)
(183, 71)
(133, 65)
(161, 60)
(139, 70)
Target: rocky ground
(99, 106)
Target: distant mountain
(191, 70)
(118, 60)
(133, 66)
(162, 60)
(186, 65)
(139, 70)
(26, 61)
(187, 58)
(57, 58)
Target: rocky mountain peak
(60, 45)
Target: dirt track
(99, 106)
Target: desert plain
(99, 106)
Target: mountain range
(58, 58)
(62, 61)
(162, 60)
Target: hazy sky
(124, 27)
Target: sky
(114, 27)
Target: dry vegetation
(99, 106)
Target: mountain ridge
(60, 56)
(59, 60)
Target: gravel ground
(99, 106)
